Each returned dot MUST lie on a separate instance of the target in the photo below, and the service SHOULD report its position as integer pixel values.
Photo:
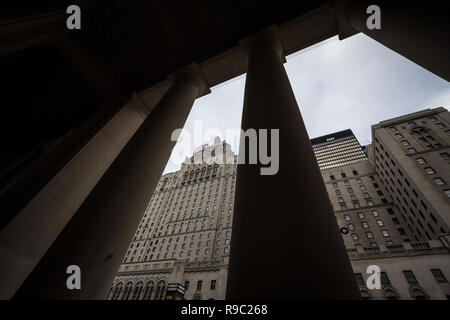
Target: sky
(348, 84)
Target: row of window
(356, 205)
(370, 235)
(344, 175)
(408, 274)
(212, 285)
(150, 292)
(393, 186)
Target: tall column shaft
(98, 235)
(285, 242)
(416, 31)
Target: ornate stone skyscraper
(181, 247)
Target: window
(213, 285)
(401, 231)
(385, 233)
(343, 175)
(350, 190)
(439, 181)
(186, 285)
(411, 123)
(438, 275)
(347, 217)
(421, 161)
(447, 193)
(429, 170)
(335, 185)
(369, 235)
(340, 199)
(361, 215)
(199, 284)
(351, 226)
(355, 173)
(338, 192)
(365, 295)
(332, 177)
(432, 119)
(380, 223)
(393, 129)
(343, 207)
(440, 125)
(384, 278)
(405, 143)
(359, 180)
(362, 187)
(359, 279)
(354, 236)
(445, 155)
(418, 294)
(411, 150)
(409, 276)
(398, 135)
(347, 183)
(375, 213)
(365, 225)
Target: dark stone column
(98, 235)
(418, 31)
(285, 242)
(25, 32)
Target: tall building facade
(181, 247)
(411, 154)
(391, 203)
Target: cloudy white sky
(349, 84)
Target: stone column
(98, 235)
(25, 32)
(285, 240)
(416, 31)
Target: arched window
(127, 292)
(390, 294)
(197, 295)
(117, 291)
(137, 291)
(148, 292)
(365, 295)
(418, 294)
(160, 290)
